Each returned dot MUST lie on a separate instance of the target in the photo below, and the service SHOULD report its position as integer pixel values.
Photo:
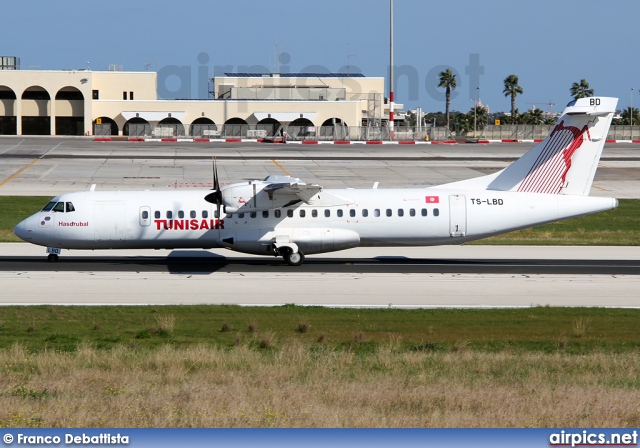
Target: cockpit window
(49, 206)
(59, 207)
(70, 207)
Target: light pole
(631, 113)
(475, 111)
(391, 94)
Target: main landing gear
(52, 258)
(294, 258)
(290, 252)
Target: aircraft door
(457, 215)
(145, 216)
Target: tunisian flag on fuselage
(432, 199)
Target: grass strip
(538, 329)
(294, 387)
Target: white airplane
(284, 216)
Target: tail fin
(566, 161)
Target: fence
(516, 132)
(624, 133)
(529, 132)
(345, 133)
(293, 133)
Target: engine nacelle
(309, 241)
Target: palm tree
(448, 81)
(625, 117)
(512, 88)
(581, 90)
(535, 116)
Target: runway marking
(621, 169)
(13, 147)
(281, 167)
(10, 178)
(42, 156)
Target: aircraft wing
(300, 190)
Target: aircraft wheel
(294, 258)
(52, 258)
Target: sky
(549, 44)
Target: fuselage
(333, 220)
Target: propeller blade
(216, 196)
(216, 182)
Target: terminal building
(119, 103)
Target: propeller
(216, 196)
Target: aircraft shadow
(206, 263)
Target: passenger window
(302, 213)
(70, 207)
(389, 212)
(265, 214)
(205, 214)
(339, 213)
(365, 212)
(240, 215)
(436, 212)
(424, 212)
(157, 214)
(400, 212)
(48, 207)
(253, 214)
(193, 214)
(169, 214)
(59, 207)
(227, 215)
(327, 213)
(314, 213)
(352, 213)
(412, 212)
(289, 213)
(145, 214)
(277, 213)
(376, 212)
(181, 214)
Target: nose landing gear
(54, 254)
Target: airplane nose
(21, 231)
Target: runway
(182, 262)
(452, 276)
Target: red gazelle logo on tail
(549, 172)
